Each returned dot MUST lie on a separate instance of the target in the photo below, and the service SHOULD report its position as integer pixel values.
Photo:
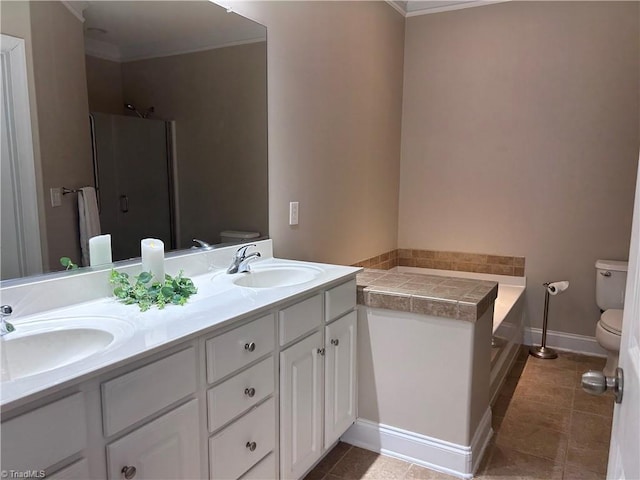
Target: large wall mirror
(159, 105)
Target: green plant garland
(144, 293)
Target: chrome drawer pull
(250, 347)
(251, 446)
(250, 392)
(128, 472)
(335, 342)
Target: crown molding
(76, 8)
(401, 6)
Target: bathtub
(508, 320)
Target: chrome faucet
(5, 327)
(201, 244)
(241, 260)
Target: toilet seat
(611, 321)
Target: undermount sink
(277, 276)
(40, 346)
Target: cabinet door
(167, 448)
(340, 377)
(301, 374)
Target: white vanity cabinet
(257, 398)
(241, 409)
(167, 447)
(317, 378)
(45, 436)
(340, 377)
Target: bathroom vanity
(247, 382)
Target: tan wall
(520, 136)
(58, 96)
(63, 110)
(104, 85)
(15, 20)
(335, 89)
(218, 99)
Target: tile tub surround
(444, 260)
(448, 297)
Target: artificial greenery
(68, 264)
(144, 293)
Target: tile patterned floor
(545, 426)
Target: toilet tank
(611, 281)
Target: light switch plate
(56, 196)
(293, 213)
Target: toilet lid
(612, 320)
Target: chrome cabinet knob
(250, 347)
(251, 446)
(250, 392)
(321, 352)
(596, 383)
(335, 342)
(128, 472)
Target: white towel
(89, 220)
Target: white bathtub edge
(504, 279)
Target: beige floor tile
(533, 440)
(355, 463)
(363, 464)
(597, 405)
(522, 411)
(575, 472)
(333, 457)
(588, 363)
(590, 431)
(554, 396)
(420, 473)
(505, 463)
(541, 374)
(564, 361)
(315, 474)
(589, 458)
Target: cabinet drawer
(168, 447)
(232, 397)
(264, 470)
(75, 471)
(230, 351)
(138, 394)
(228, 452)
(44, 436)
(340, 300)
(300, 318)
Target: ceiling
(133, 30)
(412, 8)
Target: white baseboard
(433, 453)
(565, 341)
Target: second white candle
(153, 258)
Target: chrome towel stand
(543, 351)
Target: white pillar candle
(100, 250)
(153, 258)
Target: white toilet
(611, 280)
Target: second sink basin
(41, 346)
(277, 276)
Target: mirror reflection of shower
(148, 111)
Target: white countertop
(217, 303)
